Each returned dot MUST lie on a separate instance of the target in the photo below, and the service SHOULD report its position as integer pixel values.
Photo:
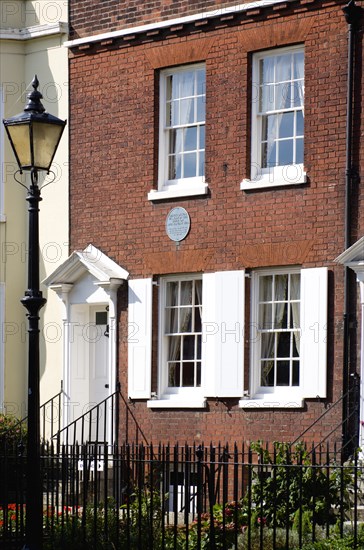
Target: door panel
(89, 369)
(99, 357)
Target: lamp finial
(34, 98)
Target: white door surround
(86, 283)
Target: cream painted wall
(22, 14)
(19, 61)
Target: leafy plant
(288, 490)
(13, 433)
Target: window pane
(267, 70)
(299, 123)
(168, 114)
(295, 373)
(283, 96)
(298, 63)
(187, 83)
(185, 319)
(200, 82)
(266, 98)
(272, 154)
(176, 141)
(281, 287)
(285, 123)
(172, 87)
(174, 350)
(295, 286)
(283, 67)
(188, 351)
(172, 293)
(198, 375)
(269, 128)
(267, 373)
(296, 342)
(188, 375)
(296, 94)
(173, 113)
(265, 288)
(267, 347)
(299, 151)
(282, 373)
(201, 164)
(197, 326)
(175, 167)
(186, 293)
(285, 154)
(198, 347)
(174, 375)
(190, 143)
(201, 137)
(187, 110)
(280, 316)
(190, 165)
(171, 326)
(265, 317)
(201, 105)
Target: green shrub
(12, 433)
(287, 490)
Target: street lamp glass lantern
(34, 134)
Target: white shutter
(313, 341)
(223, 333)
(139, 338)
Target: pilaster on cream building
(32, 35)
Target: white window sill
(174, 402)
(2, 218)
(267, 181)
(271, 400)
(178, 191)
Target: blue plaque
(178, 224)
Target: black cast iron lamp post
(34, 136)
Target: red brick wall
(114, 121)
(97, 16)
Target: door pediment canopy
(353, 257)
(92, 261)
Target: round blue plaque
(178, 224)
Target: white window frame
(313, 319)
(190, 186)
(176, 396)
(293, 174)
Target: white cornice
(36, 31)
(219, 12)
(352, 255)
(90, 260)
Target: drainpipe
(352, 14)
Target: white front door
(99, 355)
(89, 370)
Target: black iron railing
(98, 495)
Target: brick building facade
(208, 161)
